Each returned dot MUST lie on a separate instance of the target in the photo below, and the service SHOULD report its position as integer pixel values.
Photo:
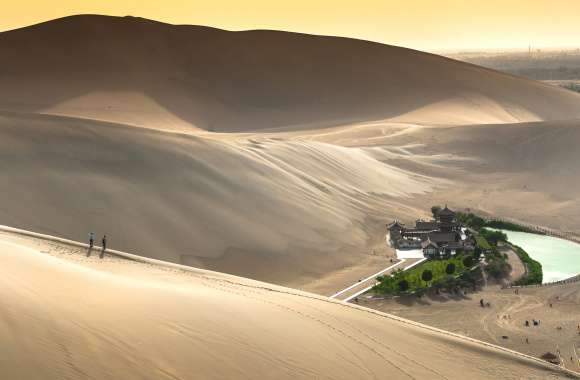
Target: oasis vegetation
(460, 249)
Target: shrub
(450, 269)
(471, 220)
(468, 261)
(427, 275)
(403, 285)
(498, 268)
(493, 237)
(534, 269)
(435, 210)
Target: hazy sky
(420, 24)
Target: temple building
(441, 237)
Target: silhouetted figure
(104, 246)
(91, 243)
(481, 302)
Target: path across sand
(364, 285)
(357, 287)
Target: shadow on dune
(237, 81)
(289, 210)
(428, 299)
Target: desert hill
(327, 140)
(147, 73)
(287, 208)
(296, 190)
(276, 210)
(66, 315)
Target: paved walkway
(366, 284)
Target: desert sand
(273, 156)
(66, 315)
(292, 208)
(557, 332)
(269, 155)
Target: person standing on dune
(103, 246)
(91, 239)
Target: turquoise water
(560, 258)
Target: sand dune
(146, 73)
(277, 210)
(486, 167)
(288, 208)
(296, 191)
(327, 139)
(66, 315)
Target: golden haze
(420, 24)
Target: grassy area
(534, 269)
(461, 271)
(482, 243)
(414, 277)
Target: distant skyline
(420, 24)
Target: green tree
(427, 275)
(493, 236)
(403, 285)
(468, 261)
(435, 210)
(450, 269)
(498, 268)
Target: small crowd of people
(92, 243)
(536, 323)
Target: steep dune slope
(526, 171)
(280, 210)
(151, 74)
(285, 207)
(68, 316)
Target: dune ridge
(269, 209)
